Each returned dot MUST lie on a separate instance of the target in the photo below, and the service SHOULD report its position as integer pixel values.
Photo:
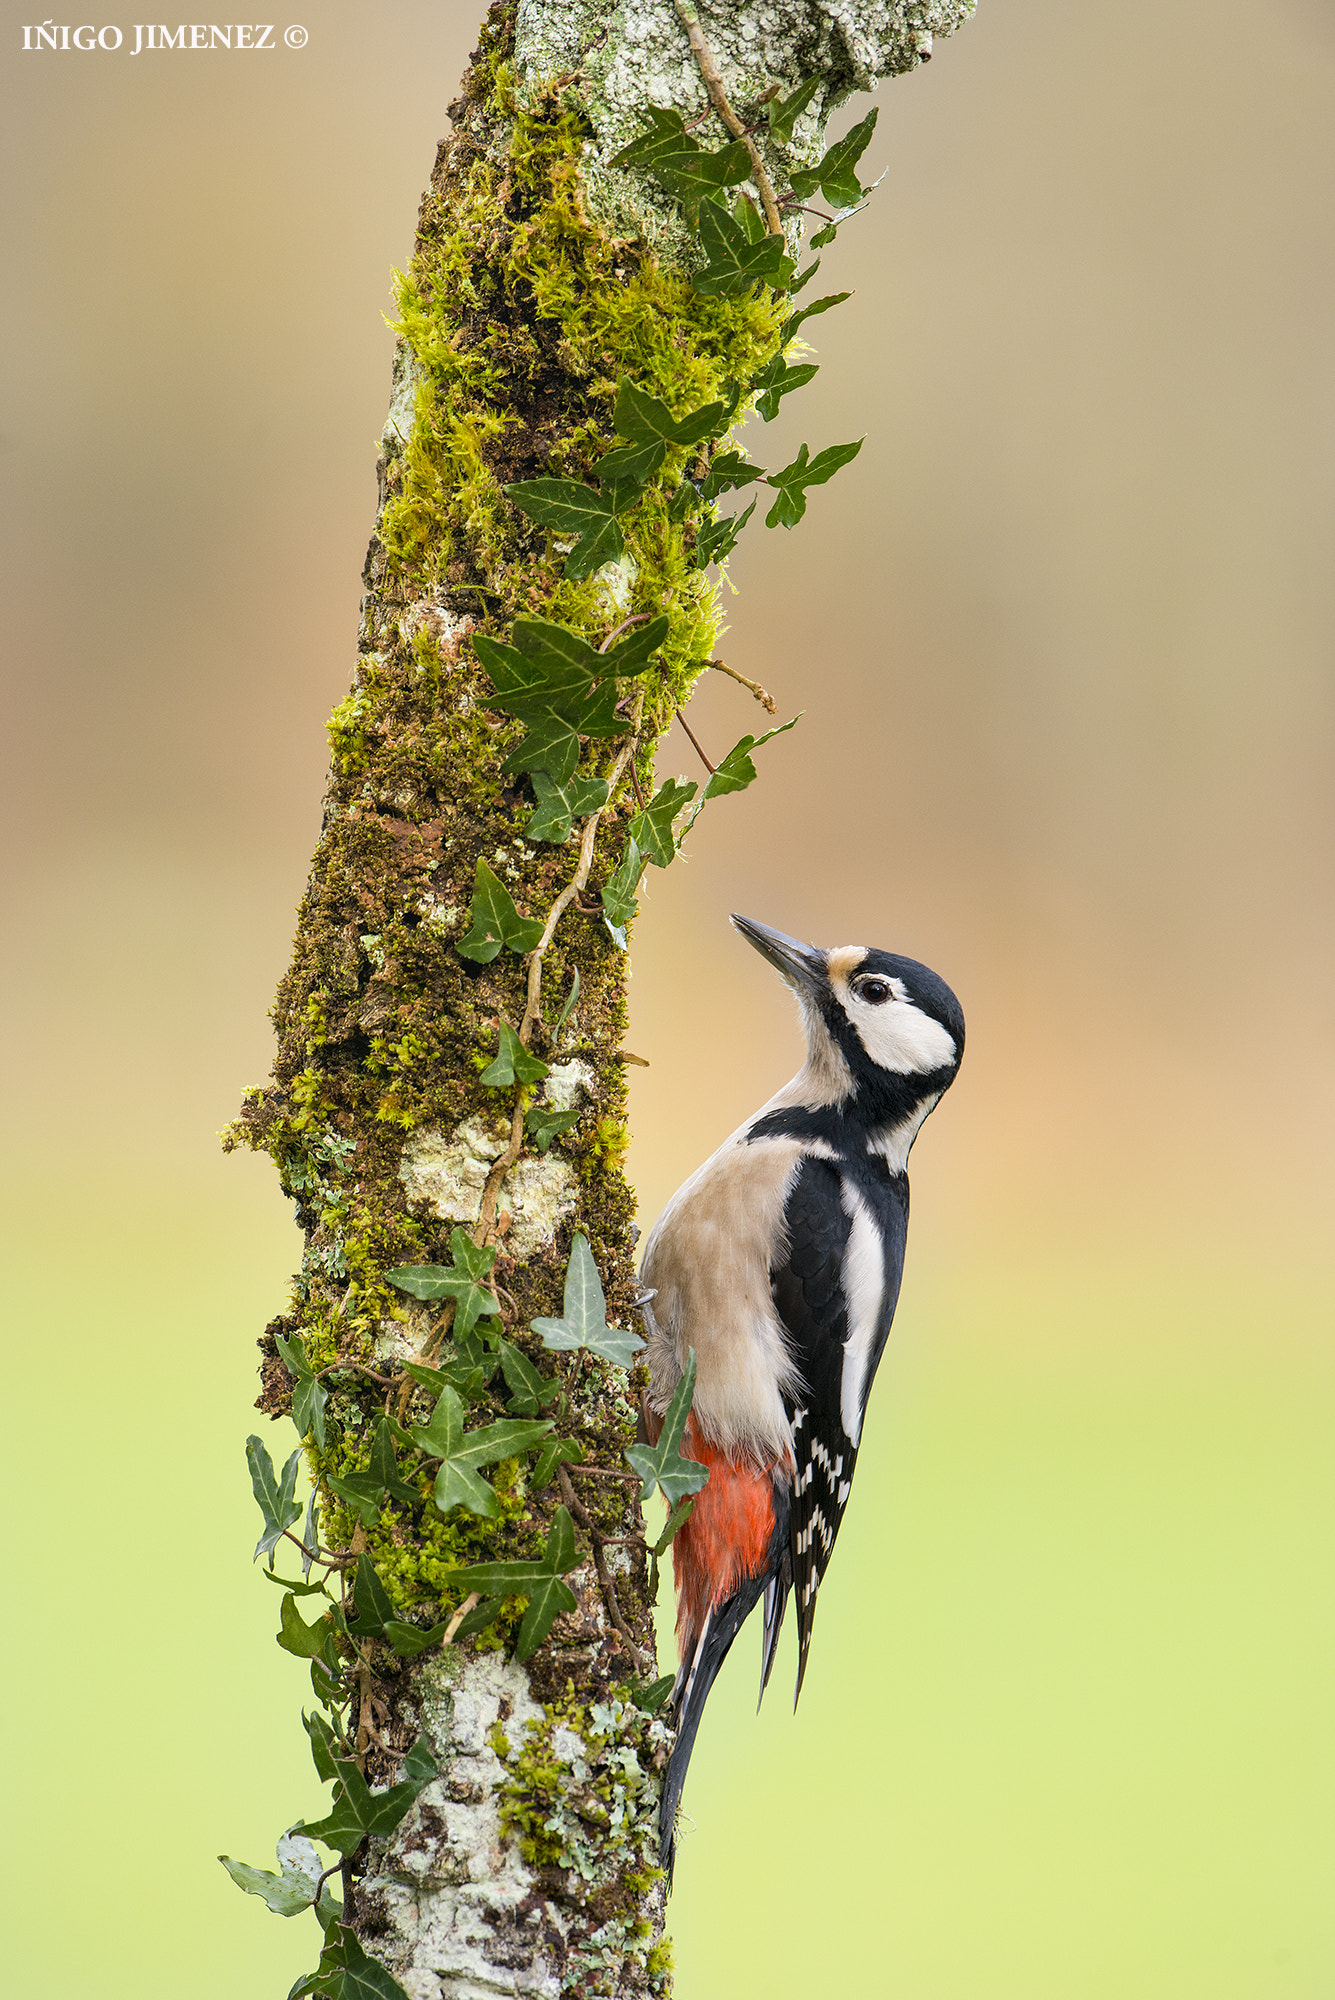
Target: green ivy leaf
(457, 1482)
(833, 174)
(410, 1640)
(296, 1636)
(496, 922)
(661, 1465)
(361, 1491)
(583, 1321)
(676, 1520)
(568, 1007)
(544, 1125)
(324, 1745)
(276, 1496)
(371, 1601)
(651, 431)
(618, 892)
(670, 153)
(480, 1617)
(357, 1810)
(651, 829)
(290, 1892)
(735, 262)
(529, 1391)
(791, 483)
(737, 771)
(777, 379)
(539, 1582)
(559, 805)
(556, 1451)
(716, 540)
(310, 1534)
(460, 1281)
(728, 469)
(468, 1374)
(297, 1589)
(309, 1395)
(791, 325)
(568, 507)
(784, 112)
(651, 1698)
(513, 1064)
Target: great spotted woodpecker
(779, 1261)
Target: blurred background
(1063, 638)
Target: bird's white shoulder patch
(864, 1290)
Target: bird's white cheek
(902, 1038)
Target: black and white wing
(835, 1291)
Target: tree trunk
(544, 277)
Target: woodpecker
(779, 1262)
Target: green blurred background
(1063, 636)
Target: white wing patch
(864, 1291)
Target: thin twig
(699, 752)
(714, 85)
(473, 1597)
(762, 695)
(636, 618)
(601, 1472)
(605, 1582)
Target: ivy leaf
(559, 805)
(805, 278)
(385, 1467)
(410, 1640)
(309, 1395)
(777, 379)
(670, 153)
(460, 1281)
(737, 771)
(286, 1894)
(833, 174)
(529, 1391)
(651, 430)
(784, 112)
(570, 508)
(345, 1972)
(791, 324)
(468, 1374)
(556, 1451)
(310, 1534)
(296, 1636)
(371, 1601)
(728, 469)
(735, 262)
(358, 1810)
(544, 1125)
(676, 1520)
(651, 829)
(323, 1746)
(716, 540)
(276, 1496)
(361, 1491)
(791, 483)
(583, 1321)
(297, 1589)
(457, 1482)
(496, 922)
(618, 892)
(568, 1007)
(661, 1465)
(513, 1063)
(651, 1698)
(539, 1582)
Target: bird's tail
(694, 1680)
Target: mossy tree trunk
(542, 278)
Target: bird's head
(885, 1035)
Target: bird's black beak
(802, 965)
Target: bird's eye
(874, 991)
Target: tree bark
(543, 275)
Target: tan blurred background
(1063, 636)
